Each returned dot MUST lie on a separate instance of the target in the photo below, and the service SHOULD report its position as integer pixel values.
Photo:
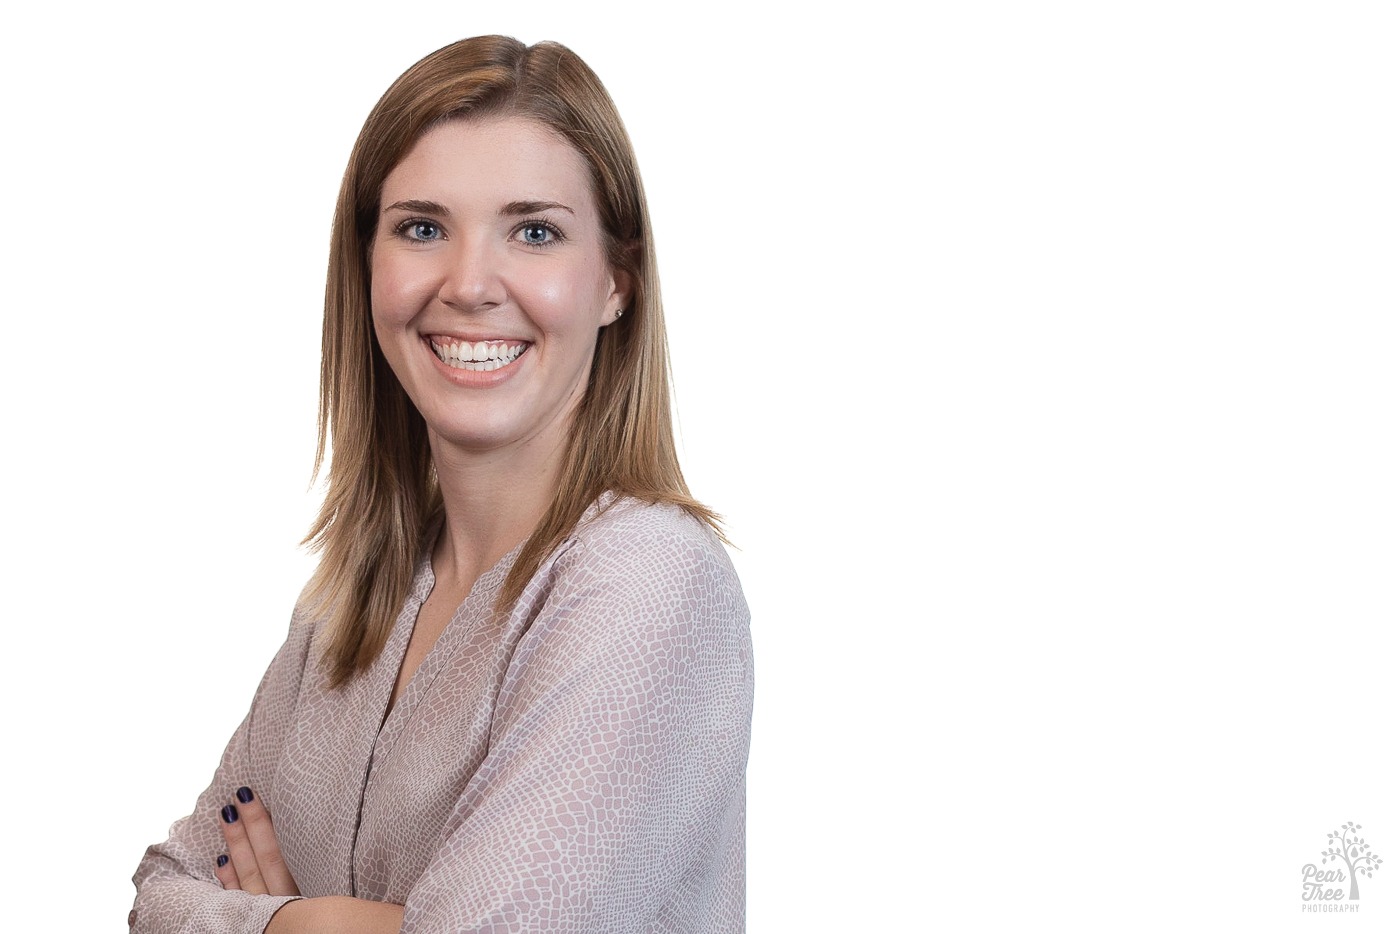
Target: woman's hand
(254, 864)
(254, 861)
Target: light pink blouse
(576, 765)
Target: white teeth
(480, 356)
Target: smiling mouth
(482, 355)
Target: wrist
(288, 918)
(335, 914)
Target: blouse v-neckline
(478, 604)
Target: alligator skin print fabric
(575, 765)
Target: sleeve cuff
(171, 909)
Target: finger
(240, 852)
(257, 824)
(224, 872)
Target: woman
(516, 694)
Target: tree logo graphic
(1351, 849)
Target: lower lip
(477, 378)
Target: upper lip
(438, 337)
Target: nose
(472, 276)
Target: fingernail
(222, 860)
(230, 813)
(245, 794)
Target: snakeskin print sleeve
(611, 799)
(175, 884)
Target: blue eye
(538, 233)
(419, 230)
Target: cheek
(568, 301)
(390, 296)
(549, 301)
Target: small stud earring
(617, 314)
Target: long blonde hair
(382, 492)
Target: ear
(621, 286)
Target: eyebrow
(516, 208)
(513, 209)
(419, 207)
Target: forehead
(492, 161)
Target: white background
(1042, 357)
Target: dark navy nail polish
(230, 813)
(222, 860)
(245, 794)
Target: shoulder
(647, 544)
(639, 594)
(302, 631)
(632, 569)
(309, 616)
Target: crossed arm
(610, 794)
(254, 864)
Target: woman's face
(490, 280)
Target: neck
(493, 500)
